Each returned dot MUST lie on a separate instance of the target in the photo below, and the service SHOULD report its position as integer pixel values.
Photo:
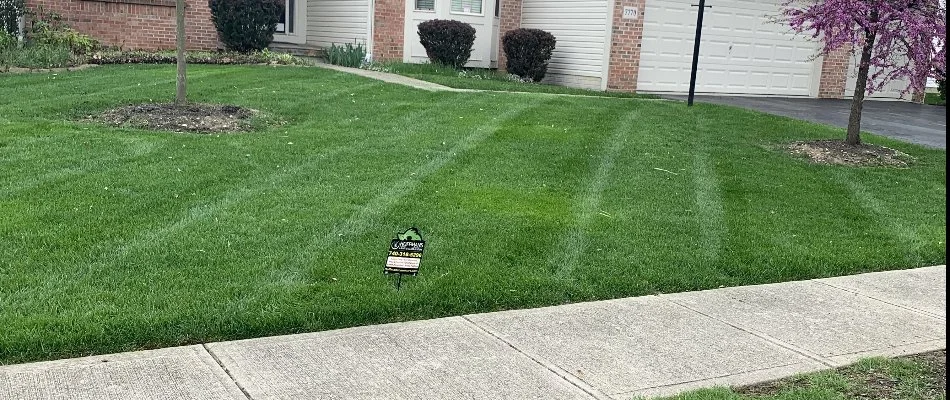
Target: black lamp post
(699, 33)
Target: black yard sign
(405, 253)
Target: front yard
(116, 239)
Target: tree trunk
(861, 86)
(180, 96)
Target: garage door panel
(893, 90)
(742, 52)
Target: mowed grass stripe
(103, 166)
(38, 102)
(574, 243)
(359, 221)
(54, 175)
(709, 212)
(906, 235)
(150, 238)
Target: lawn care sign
(405, 253)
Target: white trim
(459, 13)
(300, 23)
(369, 29)
(815, 88)
(605, 74)
(407, 28)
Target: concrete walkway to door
(910, 122)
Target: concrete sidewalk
(389, 77)
(616, 349)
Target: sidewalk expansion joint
(903, 307)
(814, 357)
(565, 375)
(226, 371)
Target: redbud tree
(897, 39)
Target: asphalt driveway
(916, 123)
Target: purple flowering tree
(898, 39)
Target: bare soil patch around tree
(194, 117)
(837, 152)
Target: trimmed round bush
(528, 52)
(246, 25)
(447, 42)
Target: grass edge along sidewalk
(605, 349)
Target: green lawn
(118, 239)
(486, 79)
(934, 99)
(917, 377)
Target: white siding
(580, 27)
(742, 52)
(337, 21)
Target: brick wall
(509, 18)
(136, 24)
(834, 74)
(625, 48)
(389, 24)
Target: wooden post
(180, 92)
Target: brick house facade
(150, 25)
(135, 24)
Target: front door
(291, 27)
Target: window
(497, 8)
(425, 5)
(467, 6)
(286, 23)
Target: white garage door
(741, 52)
(580, 27)
(891, 91)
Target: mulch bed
(193, 117)
(837, 152)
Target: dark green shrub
(10, 13)
(348, 55)
(246, 25)
(447, 42)
(528, 52)
(7, 40)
